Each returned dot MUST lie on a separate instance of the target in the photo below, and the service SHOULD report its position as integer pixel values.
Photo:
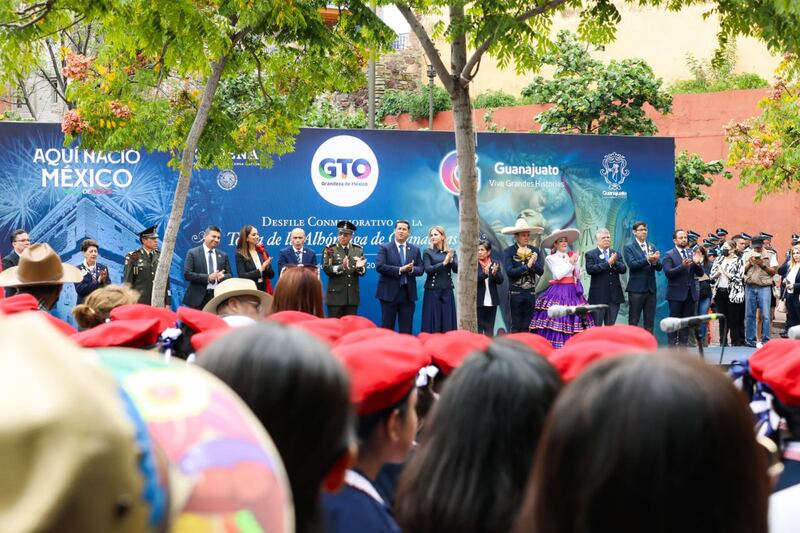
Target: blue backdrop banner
(64, 195)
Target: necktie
(605, 255)
(685, 253)
(644, 248)
(299, 256)
(402, 254)
(210, 262)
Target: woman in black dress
(252, 260)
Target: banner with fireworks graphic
(63, 195)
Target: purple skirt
(559, 330)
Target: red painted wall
(696, 122)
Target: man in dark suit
(398, 263)
(19, 241)
(522, 263)
(604, 265)
(681, 266)
(296, 254)
(204, 268)
(643, 262)
(344, 263)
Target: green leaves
(589, 97)
(692, 173)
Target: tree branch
(37, 11)
(465, 75)
(427, 45)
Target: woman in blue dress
(95, 274)
(438, 301)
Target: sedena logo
(448, 173)
(344, 170)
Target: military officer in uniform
(343, 262)
(141, 264)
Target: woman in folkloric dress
(565, 289)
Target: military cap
(148, 233)
(746, 236)
(721, 232)
(346, 227)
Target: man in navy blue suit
(643, 262)
(398, 263)
(682, 266)
(296, 254)
(204, 268)
(604, 265)
(522, 262)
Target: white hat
(521, 226)
(571, 234)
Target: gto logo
(330, 168)
(338, 159)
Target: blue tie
(402, 254)
(605, 255)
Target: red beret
(291, 317)
(166, 317)
(770, 354)
(23, 303)
(633, 336)
(327, 330)
(572, 359)
(19, 303)
(535, 342)
(200, 320)
(783, 374)
(140, 333)
(203, 339)
(363, 334)
(450, 349)
(356, 322)
(382, 369)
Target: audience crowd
(257, 413)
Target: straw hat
(521, 226)
(39, 265)
(237, 287)
(570, 233)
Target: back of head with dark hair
(659, 443)
(299, 289)
(470, 474)
(300, 393)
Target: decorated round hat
(224, 473)
(571, 234)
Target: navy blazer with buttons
(606, 287)
(681, 282)
(439, 274)
(642, 277)
(387, 263)
(494, 280)
(287, 256)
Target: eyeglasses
(773, 455)
(255, 303)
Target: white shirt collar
(357, 481)
(206, 249)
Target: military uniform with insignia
(140, 269)
(339, 263)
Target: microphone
(672, 324)
(794, 332)
(557, 311)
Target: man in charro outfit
(141, 264)
(344, 263)
(522, 262)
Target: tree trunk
(184, 180)
(468, 210)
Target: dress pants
(522, 302)
(680, 309)
(639, 302)
(338, 311)
(734, 317)
(486, 318)
(400, 311)
(607, 316)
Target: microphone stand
(699, 338)
(584, 321)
